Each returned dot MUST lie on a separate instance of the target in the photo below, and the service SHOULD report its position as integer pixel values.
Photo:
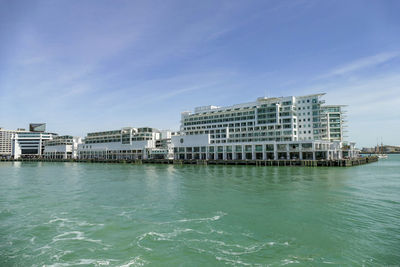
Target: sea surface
(92, 214)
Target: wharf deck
(303, 163)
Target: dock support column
(264, 155)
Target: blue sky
(83, 66)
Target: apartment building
(332, 122)
(6, 141)
(294, 126)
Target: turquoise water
(82, 214)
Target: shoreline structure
(279, 163)
(277, 131)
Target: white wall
(117, 146)
(165, 134)
(191, 140)
(59, 148)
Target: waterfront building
(6, 141)
(127, 143)
(29, 144)
(164, 148)
(293, 127)
(332, 122)
(62, 147)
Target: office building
(29, 144)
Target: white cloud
(373, 105)
(362, 63)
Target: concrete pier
(294, 162)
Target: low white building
(29, 144)
(62, 147)
(127, 144)
(199, 147)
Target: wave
(64, 221)
(137, 261)
(288, 261)
(222, 251)
(233, 249)
(219, 215)
(81, 262)
(156, 236)
(6, 213)
(57, 257)
(233, 262)
(74, 235)
(59, 220)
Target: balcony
(281, 147)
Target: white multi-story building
(6, 141)
(29, 144)
(269, 128)
(127, 143)
(164, 148)
(62, 147)
(332, 122)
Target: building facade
(127, 143)
(62, 147)
(164, 148)
(270, 128)
(6, 141)
(298, 150)
(292, 127)
(29, 144)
